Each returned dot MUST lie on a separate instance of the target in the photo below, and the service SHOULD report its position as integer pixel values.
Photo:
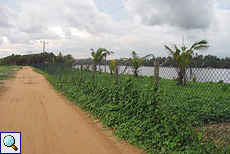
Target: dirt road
(50, 124)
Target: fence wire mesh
(211, 83)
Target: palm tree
(183, 57)
(136, 62)
(97, 57)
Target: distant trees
(197, 61)
(36, 58)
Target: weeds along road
(50, 124)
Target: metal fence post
(156, 74)
(72, 70)
(81, 71)
(94, 72)
(116, 74)
(61, 69)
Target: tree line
(197, 61)
(29, 59)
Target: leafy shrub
(194, 79)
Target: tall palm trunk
(135, 73)
(184, 74)
(180, 77)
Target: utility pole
(44, 45)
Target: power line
(97, 13)
(121, 7)
(110, 13)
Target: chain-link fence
(191, 75)
(193, 80)
(197, 91)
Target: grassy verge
(6, 71)
(168, 119)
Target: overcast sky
(145, 26)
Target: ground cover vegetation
(6, 71)
(166, 119)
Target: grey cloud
(192, 14)
(30, 21)
(36, 15)
(67, 32)
(5, 16)
(31, 26)
(82, 16)
(47, 34)
(16, 37)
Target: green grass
(170, 119)
(5, 68)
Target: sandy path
(49, 124)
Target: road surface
(50, 124)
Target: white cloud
(72, 26)
(6, 15)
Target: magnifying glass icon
(9, 141)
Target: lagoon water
(201, 74)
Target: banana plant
(112, 66)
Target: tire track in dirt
(49, 123)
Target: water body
(201, 74)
